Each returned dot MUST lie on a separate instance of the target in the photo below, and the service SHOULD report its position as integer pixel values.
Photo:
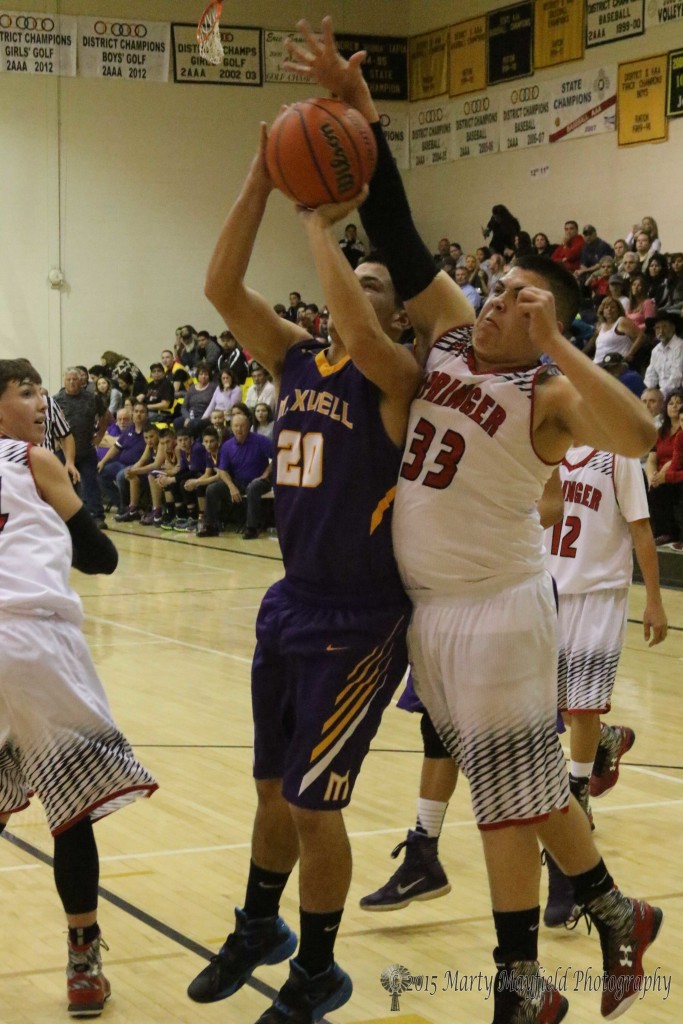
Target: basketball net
(209, 34)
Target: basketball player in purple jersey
(485, 431)
(330, 635)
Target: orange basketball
(320, 151)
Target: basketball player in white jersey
(590, 557)
(57, 736)
(485, 430)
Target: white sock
(430, 815)
(581, 769)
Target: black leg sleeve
(77, 868)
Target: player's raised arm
(248, 315)
(366, 316)
(433, 301)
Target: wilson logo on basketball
(346, 181)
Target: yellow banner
(641, 96)
(428, 65)
(558, 32)
(467, 56)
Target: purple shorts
(321, 678)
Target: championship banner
(642, 101)
(123, 49)
(524, 116)
(274, 54)
(396, 128)
(467, 56)
(241, 64)
(510, 36)
(428, 65)
(431, 134)
(476, 125)
(609, 20)
(674, 91)
(661, 12)
(38, 44)
(558, 32)
(386, 65)
(583, 104)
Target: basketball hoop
(209, 34)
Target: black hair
(560, 282)
(17, 370)
(156, 366)
(209, 432)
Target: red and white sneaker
(87, 988)
(615, 740)
(522, 995)
(626, 928)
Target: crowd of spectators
(183, 446)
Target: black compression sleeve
(387, 219)
(93, 552)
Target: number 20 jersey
(335, 478)
(465, 518)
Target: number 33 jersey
(465, 521)
(335, 478)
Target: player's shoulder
(13, 451)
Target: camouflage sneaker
(615, 740)
(521, 995)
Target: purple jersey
(335, 477)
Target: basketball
(320, 151)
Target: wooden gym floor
(172, 635)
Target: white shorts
(592, 628)
(487, 672)
(57, 736)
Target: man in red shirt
(569, 252)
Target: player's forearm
(646, 556)
(224, 285)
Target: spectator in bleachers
(597, 283)
(232, 357)
(80, 408)
(644, 249)
(542, 245)
(294, 304)
(568, 252)
(501, 230)
(475, 276)
(134, 482)
(164, 462)
(108, 398)
(483, 255)
(594, 248)
(496, 269)
(175, 371)
(160, 395)
(208, 351)
(674, 478)
(351, 245)
(663, 498)
(614, 333)
(114, 430)
(224, 397)
(456, 254)
(629, 266)
(640, 305)
(443, 250)
(263, 419)
(196, 401)
(125, 452)
(616, 288)
(219, 421)
(244, 475)
(649, 225)
(197, 485)
(116, 364)
(620, 248)
(179, 506)
(676, 270)
(186, 346)
(471, 293)
(262, 390)
(658, 280)
(616, 366)
(665, 370)
(653, 400)
(125, 383)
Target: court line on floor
(204, 546)
(168, 639)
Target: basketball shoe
(580, 789)
(304, 999)
(626, 928)
(87, 989)
(521, 995)
(561, 907)
(420, 876)
(252, 944)
(615, 740)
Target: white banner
(397, 133)
(123, 49)
(477, 125)
(37, 44)
(431, 134)
(609, 20)
(524, 114)
(661, 12)
(241, 61)
(583, 104)
(274, 53)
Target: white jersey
(465, 518)
(591, 549)
(35, 545)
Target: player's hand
(320, 60)
(259, 171)
(235, 495)
(330, 213)
(655, 625)
(538, 306)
